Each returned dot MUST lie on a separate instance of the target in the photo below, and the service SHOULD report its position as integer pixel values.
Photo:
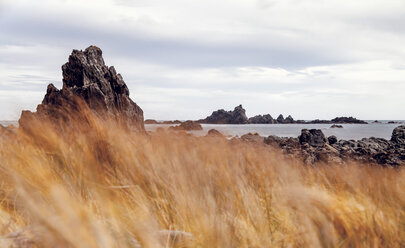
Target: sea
(349, 131)
(383, 129)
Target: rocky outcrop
(280, 119)
(398, 135)
(87, 79)
(237, 116)
(336, 126)
(187, 126)
(261, 119)
(312, 147)
(350, 120)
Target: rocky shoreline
(87, 80)
(312, 147)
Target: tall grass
(94, 184)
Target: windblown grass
(96, 185)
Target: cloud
(183, 59)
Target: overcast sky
(182, 59)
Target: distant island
(238, 116)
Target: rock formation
(348, 120)
(87, 78)
(336, 126)
(187, 126)
(261, 119)
(313, 137)
(237, 116)
(312, 147)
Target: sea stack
(87, 78)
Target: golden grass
(97, 185)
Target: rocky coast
(87, 80)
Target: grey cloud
(180, 53)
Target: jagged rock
(336, 126)
(280, 119)
(348, 120)
(261, 119)
(86, 78)
(289, 119)
(313, 137)
(398, 135)
(332, 139)
(237, 116)
(187, 126)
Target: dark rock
(376, 121)
(313, 137)
(187, 126)
(261, 119)
(280, 119)
(171, 122)
(237, 116)
(317, 121)
(348, 120)
(336, 126)
(332, 139)
(214, 133)
(151, 121)
(392, 122)
(87, 79)
(312, 147)
(398, 135)
(289, 119)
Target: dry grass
(96, 185)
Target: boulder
(398, 135)
(332, 139)
(87, 79)
(336, 126)
(313, 137)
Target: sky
(183, 59)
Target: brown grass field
(93, 184)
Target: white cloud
(182, 59)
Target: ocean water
(349, 131)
